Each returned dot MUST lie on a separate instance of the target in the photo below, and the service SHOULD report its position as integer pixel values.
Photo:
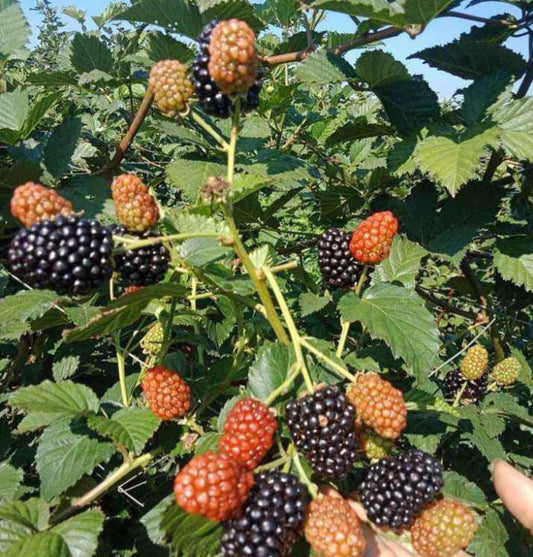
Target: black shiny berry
(473, 392)
(68, 254)
(211, 99)
(142, 266)
(272, 519)
(322, 426)
(397, 488)
(337, 264)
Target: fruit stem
(209, 129)
(292, 375)
(122, 374)
(342, 371)
(136, 244)
(344, 336)
(293, 331)
(361, 280)
(460, 395)
(196, 325)
(234, 134)
(303, 476)
(167, 331)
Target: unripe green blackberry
(171, 86)
(475, 363)
(374, 446)
(506, 372)
(152, 342)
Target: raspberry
(443, 529)
(248, 432)
(272, 519)
(475, 363)
(374, 446)
(212, 100)
(332, 528)
(213, 486)
(378, 405)
(32, 202)
(337, 265)
(171, 86)
(372, 239)
(67, 254)
(152, 341)
(506, 372)
(322, 426)
(233, 59)
(134, 206)
(473, 392)
(141, 266)
(166, 392)
(398, 487)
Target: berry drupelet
(272, 518)
(337, 264)
(68, 254)
(322, 426)
(397, 488)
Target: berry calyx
(337, 264)
(443, 529)
(32, 202)
(171, 86)
(134, 205)
(475, 363)
(233, 59)
(332, 528)
(398, 487)
(213, 486)
(152, 341)
(372, 239)
(506, 372)
(272, 518)
(472, 393)
(167, 394)
(378, 405)
(322, 426)
(374, 446)
(248, 432)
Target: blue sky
(437, 32)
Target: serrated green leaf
(20, 520)
(10, 480)
(458, 487)
(188, 175)
(14, 109)
(165, 47)
(229, 9)
(491, 537)
(14, 30)
(515, 121)
(80, 532)
(403, 263)
(65, 367)
(380, 68)
(398, 317)
(311, 303)
(323, 67)
(513, 258)
(357, 129)
(201, 251)
(61, 146)
(89, 53)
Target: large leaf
(20, 520)
(403, 263)
(357, 129)
(188, 175)
(229, 9)
(66, 452)
(14, 109)
(89, 53)
(324, 68)
(14, 30)
(513, 258)
(380, 68)
(80, 533)
(201, 251)
(515, 119)
(398, 317)
(165, 47)
(491, 538)
(10, 480)
(61, 146)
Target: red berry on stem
(372, 239)
(134, 206)
(166, 392)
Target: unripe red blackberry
(248, 432)
(68, 254)
(322, 426)
(398, 487)
(372, 239)
(378, 405)
(213, 486)
(134, 206)
(337, 264)
(32, 202)
(506, 372)
(475, 363)
(272, 518)
(473, 392)
(332, 528)
(171, 86)
(443, 529)
(233, 59)
(166, 392)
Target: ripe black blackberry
(211, 99)
(141, 266)
(474, 390)
(272, 518)
(337, 264)
(397, 488)
(67, 254)
(322, 426)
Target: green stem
(209, 129)
(343, 372)
(234, 134)
(196, 325)
(344, 336)
(121, 365)
(460, 394)
(167, 331)
(293, 374)
(129, 244)
(361, 280)
(303, 476)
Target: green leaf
(311, 303)
(403, 263)
(65, 367)
(380, 68)
(270, 369)
(165, 47)
(67, 452)
(10, 480)
(491, 538)
(357, 129)
(513, 258)
(453, 161)
(21, 519)
(61, 146)
(201, 251)
(14, 30)
(89, 53)
(323, 67)
(229, 9)
(458, 487)
(515, 121)
(188, 175)
(398, 317)
(14, 109)
(80, 533)
(131, 427)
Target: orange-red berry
(135, 207)
(443, 529)
(171, 86)
(332, 528)
(378, 405)
(248, 432)
(32, 202)
(214, 486)
(372, 239)
(166, 392)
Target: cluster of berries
(471, 380)
(340, 255)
